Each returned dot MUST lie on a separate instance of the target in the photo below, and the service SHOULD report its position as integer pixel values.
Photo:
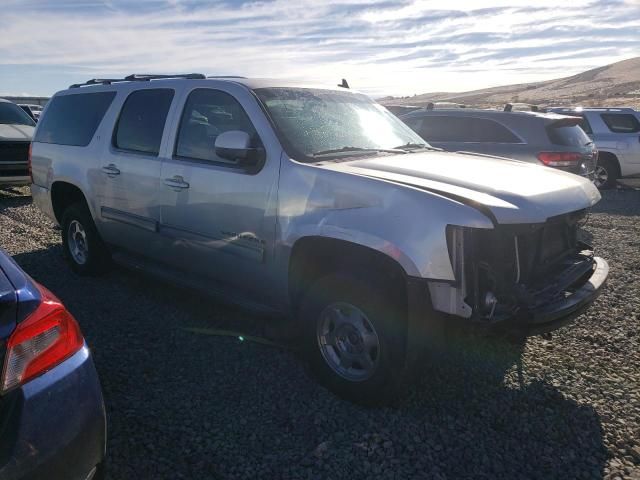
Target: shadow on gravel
(13, 198)
(182, 405)
(621, 201)
(482, 419)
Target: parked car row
(312, 204)
(32, 110)
(605, 147)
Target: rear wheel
(606, 173)
(354, 335)
(83, 247)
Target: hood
(510, 191)
(16, 132)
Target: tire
(607, 173)
(366, 363)
(79, 235)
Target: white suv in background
(616, 133)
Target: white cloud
(418, 46)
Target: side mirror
(236, 145)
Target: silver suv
(616, 133)
(316, 204)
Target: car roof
(594, 109)
(250, 83)
(483, 112)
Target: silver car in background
(542, 138)
(616, 133)
(316, 204)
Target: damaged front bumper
(532, 278)
(547, 317)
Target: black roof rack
(522, 107)
(225, 76)
(137, 77)
(444, 105)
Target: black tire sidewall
(385, 313)
(612, 173)
(96, 258)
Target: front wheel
(83, 247)
(354, 335)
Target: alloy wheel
(77, 241)
(348, 341)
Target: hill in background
(617, 84)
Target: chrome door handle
(111, 170)
(177, 183)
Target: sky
(382, 47)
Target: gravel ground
(186, 405)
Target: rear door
(218, 219)
(129, 176)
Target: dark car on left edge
(16, 131)
(52, 416)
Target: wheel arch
(64, 194)
(605, 154)
(313, 257)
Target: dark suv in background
(16, 131)
(543, 138)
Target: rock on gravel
(183, 405)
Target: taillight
(560, 159)
(29, 162)
(40, 342)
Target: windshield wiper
(412, 146)
(357, 149)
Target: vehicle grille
(510, 261)
(14, 152)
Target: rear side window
(142, 120)
(207, 114)
(73, 119)
(569, 136)
(464, 129)
(584, 125)
(621, 122)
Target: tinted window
(142, 121)
(464, 129)
(73, 119)
(207, 114)
(570, 136)
(11, 114)
(621, 122)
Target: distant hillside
(612, 85)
